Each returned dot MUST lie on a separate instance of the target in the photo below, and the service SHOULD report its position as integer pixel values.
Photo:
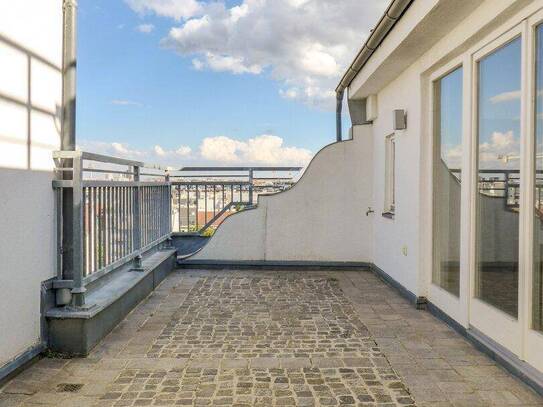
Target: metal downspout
(391, 16)
(69, 65)
(339, 107)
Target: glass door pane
(447, 177)
(499, 77)
(537, 305)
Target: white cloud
(500, 151)
(505, 97)
(302, 44)
(263, 149)
(221, 150)
(124, 102)
(176, 9)
(145, 28)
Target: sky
(194, 82)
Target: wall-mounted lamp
(400, 119)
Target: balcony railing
(202, 197)
(110, 212)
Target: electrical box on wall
(400, 119)
(371, 108)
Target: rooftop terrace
(271, 338)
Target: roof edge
(388, 20)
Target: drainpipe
(392, 15)
(339, 107)
(64, 295)
(69, 58)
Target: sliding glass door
(498, 163)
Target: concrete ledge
(270, 265)
(76, 332)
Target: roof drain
(378, 34)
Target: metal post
(78, 290)
(138, 266)
(251, 186)
(68, 134)
(69, 64)
(168, 212)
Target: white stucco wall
(402, 247)
(30, 99)
(322, 218)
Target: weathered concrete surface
(274, 338)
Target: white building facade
(30, 128)
(452, 139)
(467, 167)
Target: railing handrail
(104, 159)
(109, 223)
(256, 169)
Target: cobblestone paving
(255, 338)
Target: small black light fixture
(400, 119)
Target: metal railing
(505, 184)
(107, 219)
(202, 197)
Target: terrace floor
(274, 338)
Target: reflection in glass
(447, 175)
(499, 178)
(538, 225)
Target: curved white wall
(322, 218)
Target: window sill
(388, 215)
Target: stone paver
(267, 338)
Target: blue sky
(141, 87)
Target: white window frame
(390, 175)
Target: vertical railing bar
(118, 219)
(205, 202)
(117, 224)
(95, 227)
(84, 231)
(214, 197)
(197, 191)
(111, 225)
(129, 227)
(100, 227)
(78, 290)
(92, 226)
(127, 215)
(188, 208)
(179, 208)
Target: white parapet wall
(30, 103)
(321, 219)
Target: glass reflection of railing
(505, 184)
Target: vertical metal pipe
(251, 173)
(69, 65)
(339, 107)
